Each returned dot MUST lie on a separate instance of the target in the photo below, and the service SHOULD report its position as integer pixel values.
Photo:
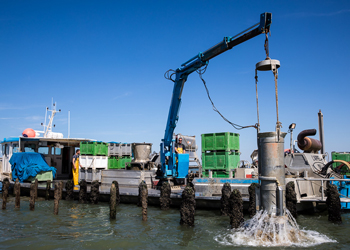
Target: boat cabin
(58, 153)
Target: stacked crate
(118, 155)
(220, 154)
(93, 158)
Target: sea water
(87, 226)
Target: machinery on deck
(175, 166)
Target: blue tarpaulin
(25, 165)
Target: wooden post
(57, 198)
(113, 202)
(164, 199)
(36, 189)
(117, 192)
(83, 191)
(333, 204)
(17, 191)
(144, 199)
(32, 197)
(252, 199)
(291, 199)
(236, 209)
(48, 188)
(60, 188)
(188, 206)
(225, 200)
(69, 190)
(5, 192)
(95, 192)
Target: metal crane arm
(201, 60)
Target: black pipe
(308, 144)
(301, 137)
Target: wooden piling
(252, 199)
(83, 191)
(48, 188)
(144, 199)
(164, 199)
(95, 192)
(36, 183)
(57, 198)
(17, 191)
(60, 188)
(225, 200)
(5, 192)
(236, 209)
(333, 204)
(69, 190)
(32, 197)
(139, 202)
(117, 192)
(188, 206)
(291, 199)
(113, 202)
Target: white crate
(126, 149)
(90, 174)
(114, 149)
(94, 161)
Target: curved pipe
(329, 164)
(343, 163)
(308, 144)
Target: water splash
(266, 230)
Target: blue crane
(173, 165)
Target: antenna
(49, 125)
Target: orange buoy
(28, 132)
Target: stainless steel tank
(272, 172)
(141, 151)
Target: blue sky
(105, 60)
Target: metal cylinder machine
(271, 193)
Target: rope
(257, 99)
(236, 126)
(275, 73)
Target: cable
(169, 75)
(236, 126)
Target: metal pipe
(308, 144)
(279, 198)
(322, 191)
(321, 131)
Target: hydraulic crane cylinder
(272, 172)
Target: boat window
(43, 150)
(29, 148)
(57, 151)
(5, 149)
(15, 148)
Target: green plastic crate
(220, 160)
(217, 174)
(112, 163)
(100, 148)
(93, 148)
(122, 161)
(345, 156)
(220, 141)
(42, 176)
(87, 147)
